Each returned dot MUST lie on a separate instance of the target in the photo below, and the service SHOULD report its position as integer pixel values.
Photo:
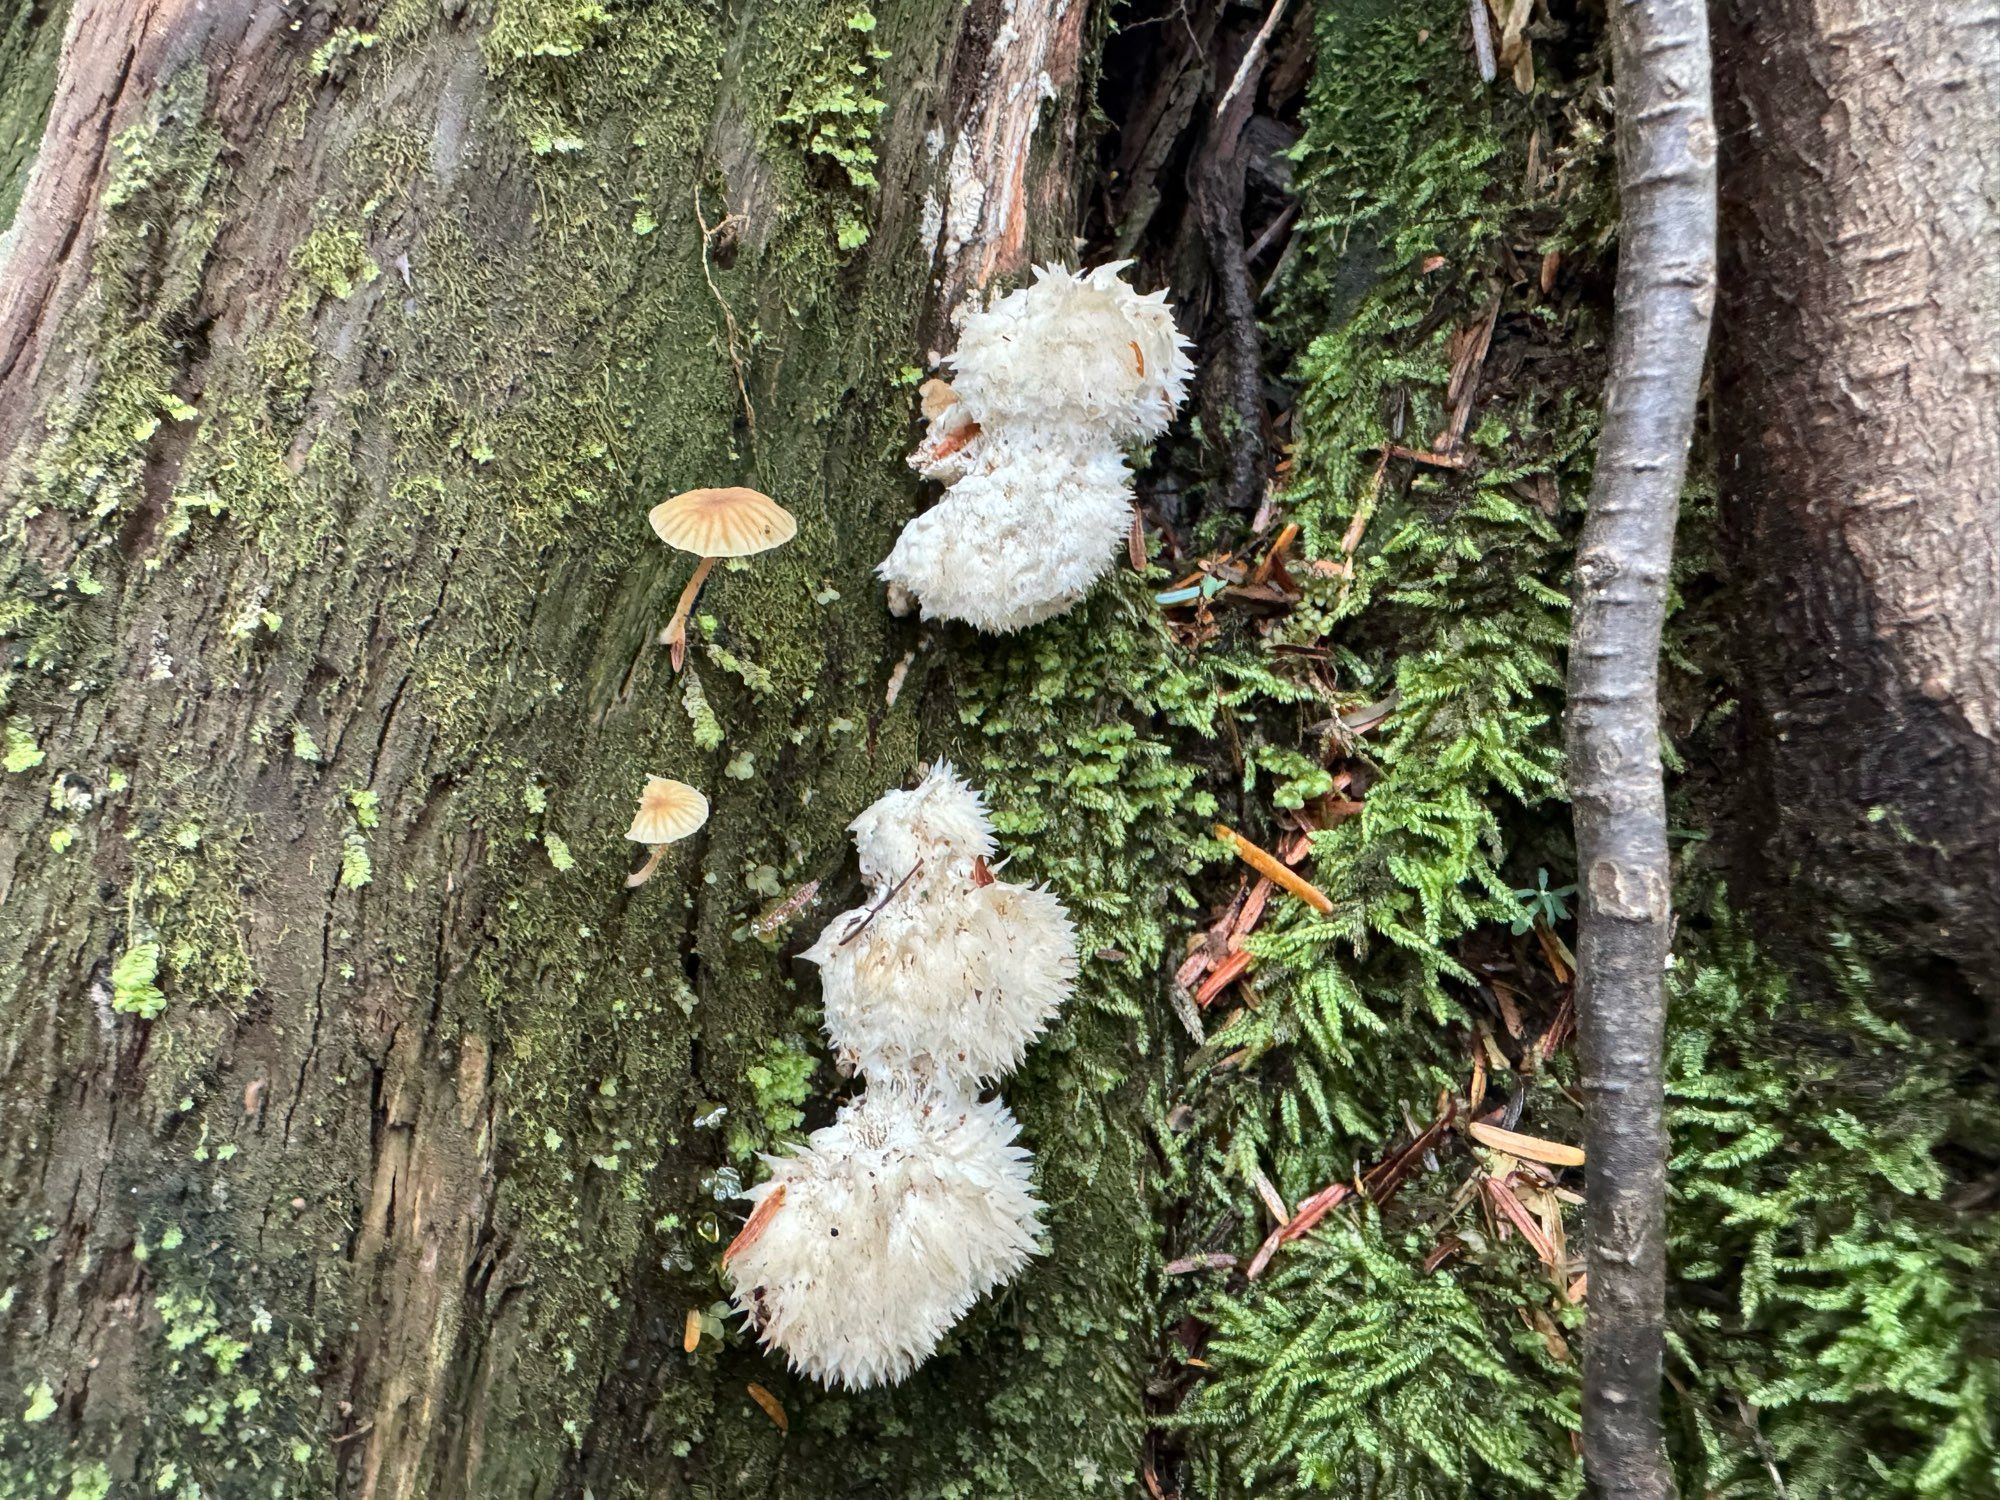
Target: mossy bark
(359, 1132)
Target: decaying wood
(1665, 293)
(1014, 58)
(397, 1028)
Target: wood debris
(1223, 976)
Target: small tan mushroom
(668, 812)
(714, 524)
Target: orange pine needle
(1267, 864)
(1225, 974)
(1286, 537)
(769, 1402)
(691, 1333)
(1527, 1147)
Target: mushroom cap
(732, 522)
(668, 812)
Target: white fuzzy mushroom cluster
(1049, 386)
(869, 1242)
(947, 973)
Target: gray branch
(1666, 290)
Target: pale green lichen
(22, 753)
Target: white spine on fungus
(1050, 384)
(946, 973)
(871, 1240)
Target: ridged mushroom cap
(668, 812)
(734, 522)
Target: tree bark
(1858, 424)
(1666, 291)
(350, 1107)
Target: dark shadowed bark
(1666, 280)
(1235, 379)
(1858, 418)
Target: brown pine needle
(1527, 1147)
(1268, 865)
(759, 1220)
(769, 1402)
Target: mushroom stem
(674, 637)
(645, 872)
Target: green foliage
(1348, 1367)
(1835, 1320)
(134, 989)
(1351, 1369)
(1834, 1328)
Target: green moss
(1833, 1314)
(780, 1084)
(1350, 1368)
(334, 259)
(30, 41)
(156, 227)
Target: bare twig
(1666, 282)
(876, 910)
(1482, 43)
(1252, 65)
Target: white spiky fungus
(952, 983)
(1074, 349)
(867, 1243)
(941, 821)
(945, 972)
(1048, 386)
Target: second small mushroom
(714, 524)
(668, 812)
